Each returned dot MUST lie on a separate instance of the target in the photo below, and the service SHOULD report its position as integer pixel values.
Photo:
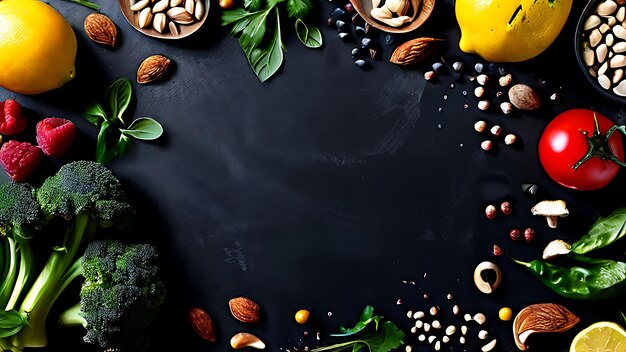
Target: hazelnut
(506, 208)
(490, 212)
(515, 234)
(480, 126)
(483, 105)
(496, 130)
(486, 145)
(529, 234)
(479, 92)
(482, 79)
(497, 251)
(510, 139)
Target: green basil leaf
(252, 35)
(309, 36)
(272, 3)
(118, 96)
(103, 154)
(253, 5)
(367, 313)
(122, 146)
(604, 232)
(144, 128)
(239, 26)
(95, 114)
(270, 59)
(232, 16)
(299, 8)
(11, 322)
(88, 4)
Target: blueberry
(337, 13)
(360, 63)
(389, 39)
(360, 30)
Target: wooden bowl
(184, 30)
(424, 9)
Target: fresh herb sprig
(258, 26)
(86, 3)
(115, 135)
(386, 337)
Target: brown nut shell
(542, 317)
(152, 69)
(101, 29)
(524, 97)
(202, 324)
(244, 309)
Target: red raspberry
(12, 120)
(55, 136)
(19, 159)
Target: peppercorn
(515, 234)
(490, 211)
(505, 314)
(506, 208)
(302, 316)
(497, 251)
(529, 234)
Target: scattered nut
(482, 334)
(481, 284)
(523, 97)
(101, 29)
(497, 251)
(505, 80)
(490, 346)
(433, 310)
(418, 315)
(202, 324)
(506, 208)
(436, 324)
(422, 337)
(480, 126)
(515, 234)
(244, 339)
(426, 327)
(509, 139)
(152, 69)
(462, 340)
(490, 211)
(463, 330)
(483, 105)
(480, 318)
(449, 297)
(486, 145)
(437, 346)
(445, 339)
(409, 314)
(479, 92)
(529, 234)
(408, 348)
(431, 339)
(506, 107)
(419, 324)
(467, 317)
(455, 310)
(496, 130)
(244, 309)
(482, 79)
(541, 318)
(450, 330)
(413, 330)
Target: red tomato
(563, 144)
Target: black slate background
(327, 186)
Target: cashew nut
(482, 285)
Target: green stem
(88, 4)
(598, 145)
(9, 280)
(340, 346)
(72, 317)
(26, 259)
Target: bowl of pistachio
(166, 19)
(394, 16)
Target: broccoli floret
(18, 208)
(121, 295)
(85, 196)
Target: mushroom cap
(550, 208)
(555, 249)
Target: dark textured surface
(327, 186)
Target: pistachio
(621, 14)
(611, 21)
(619, 31)
(160, 6)
(605, 82)
(159, 22)
(618, 61)
(589, 57)
(620, 89)
(174, 29)
(606, 8)
(199, 11)
(190, 6)
(592, 22)
(174, 3)
(609, 40)
(602, 70)
(490, 346)
(140, 5)
(601, 52)
(179, 15)
(145, 17)
(619, 47)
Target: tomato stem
(598, 144)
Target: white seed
(505, 80)
(409, 314)
(426, 327)
(462, 340)
(621, 14)
(174, 29)
(408, 348)
(509, 139)
(606, 8)
(479, 92)
(139, 5)
(482, 334)
(611, 21)
(605, 82)
(449, 297)
(413, 330)
(486, 145)
(467, 317)
(506, 107)
(433, 310)
(602, 70)
(618, 61)
(159, 22)
(436, 324)
(480, 318)
(463, 329)
(450, 330)
(160, 6)
(190, 6)
(174, 3)
(480, 126)
(592, 22)
(145, 17)
(482, 79)
(418, 315)
(496, 130)
(422, 337)
(609, 40)
(419, 324)
(619, 31)
(445, 339)
(601, 52)
(604, 28)
(589, 57)
(431, 339)
(437, 346)
(618, 75)
(456, 310)
(595, 37)
(620, 89)
(619, 47)
(199, 11)
(483, 105)
(490, 346)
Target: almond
(413, 51)
(101, 29)
(202, 324)
(524, 98)
(244, 309)
(152, 69)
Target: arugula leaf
(367, 317)
(266, 62)
(388, 338)
(309, 36)
(299, 8)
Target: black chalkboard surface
(328, 187)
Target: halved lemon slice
(603, 336)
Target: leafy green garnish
(86, 3)
(115, 136)
(603, 232)
(388, 338)
(258, 26)
(367, 317)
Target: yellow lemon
(510, 30)
(37, 47)
(600, 337)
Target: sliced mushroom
(481, 284)
(555, 249)
(540, 318)
(552, 210)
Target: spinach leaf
(310, 36)
(252, 35)
(144, 128)
(299, 8)
(604, 232)
(118, 96)
(367, 317)
(238, 14)
(388, 338)
(266, 62)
